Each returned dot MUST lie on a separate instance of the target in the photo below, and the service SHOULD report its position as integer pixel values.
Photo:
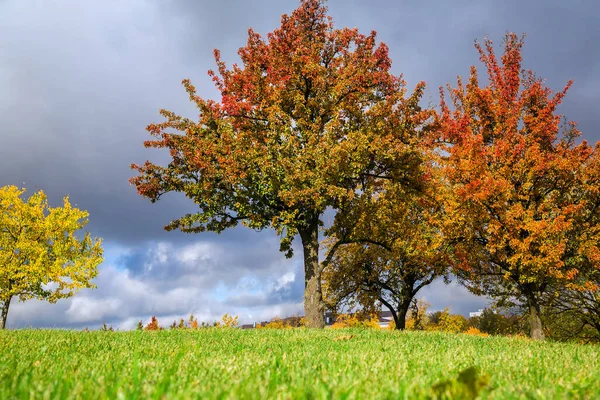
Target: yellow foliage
(227, 321)
(474, 331)
(278, 323)
(451, 322)
(392, 325)
(41, 247)
(417, 316)
(275, 323)
(354, 321)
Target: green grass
(299, 363)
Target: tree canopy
(40, 253)
(308, 117)
(523, 214)
(385, 245)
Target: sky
(80, 81)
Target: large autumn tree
(521, 212)
(41, 255)
(309, 113)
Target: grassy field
(299, 363)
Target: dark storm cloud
(80, 80)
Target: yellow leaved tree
(41, 256)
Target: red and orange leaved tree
(309, 115)
(524, 207)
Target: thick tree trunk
(400, 321)
(535, 320)
(402, 313)
(314, 307)
(4, 313)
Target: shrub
(444, 321)
(392, 325)
(296, 321)
(355, 321)
(275, 323)
(497, 323)
(474, 331)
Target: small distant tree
(227, 321)
(106, 328)
(398, 250)
(445, 321)
(417, 316)
(193, 322)
(498, 322)
(153, 325)
(41, 256)
(433, 318)
(454, 323)
(523, 215)
(309, 115)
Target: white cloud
(198, 252)
(285, 280)
(85, 309)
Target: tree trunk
(314, 307)
(397, 323)
(402, 312)
(4, 313)
(399, 320)
(398, 315)
(537, 331)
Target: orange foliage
(275, 323)
(193, 322)
(522, 209)
(474, 331)
(153, 325)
